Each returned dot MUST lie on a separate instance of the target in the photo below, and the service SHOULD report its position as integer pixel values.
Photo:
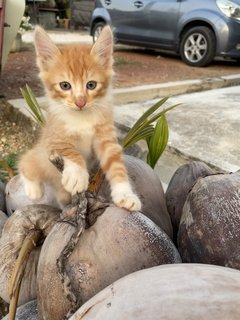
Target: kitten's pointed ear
(45, 48)
(103, 47)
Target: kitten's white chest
(81, 125)
(84, 145)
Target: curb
(149, 92)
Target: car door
(144, 21)
(163, 18)
(123, 17)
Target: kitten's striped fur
(79, 122)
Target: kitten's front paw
(75, 179)
(34, 190)
(124, 197)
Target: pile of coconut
(179, 258)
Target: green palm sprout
(33, 106)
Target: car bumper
(228, 38)
(234, 54)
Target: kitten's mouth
(76, 108)
(80, 107)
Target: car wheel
(198, 46)
(97, 29)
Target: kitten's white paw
(124, 197)
(75, 179)
(34, 190)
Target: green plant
(119, 61)
(33, 106)
(155, 136)
(8, 167)
(25, 25)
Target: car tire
(198, 46)
(97, 29)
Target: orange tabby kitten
(77, 79)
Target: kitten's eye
(91, 85)
(64, 85)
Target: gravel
(17, 133)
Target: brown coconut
(180, 185)
(149, 188)
(23, 221)
(179, 292)
(3, 219)
(210, 223)
(27, 311)
(2, 197)
(16, 197)
(4, 307)
(117, 244)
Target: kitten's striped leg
(33, 189)
(32, 174)
(124, 197)
(75, 177)
(110, 155)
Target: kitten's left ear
(103, 47)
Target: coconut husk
(3, 219)
(179, 186)
(117, 244)
(25, 221)
(65, 248)
(210, 223)
(27, 311)
(179, 292)
(2, 197)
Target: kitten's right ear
(45, 48)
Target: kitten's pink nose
(80, 102)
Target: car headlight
(230, 8)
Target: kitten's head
(76, 76)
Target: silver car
(197, 30)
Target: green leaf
(33, 106)
(158, 141)
(28, 101)
(143, 133)
(140, 137)
(142, 122)
(148, 113)
(158, 115)
(157, 137)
